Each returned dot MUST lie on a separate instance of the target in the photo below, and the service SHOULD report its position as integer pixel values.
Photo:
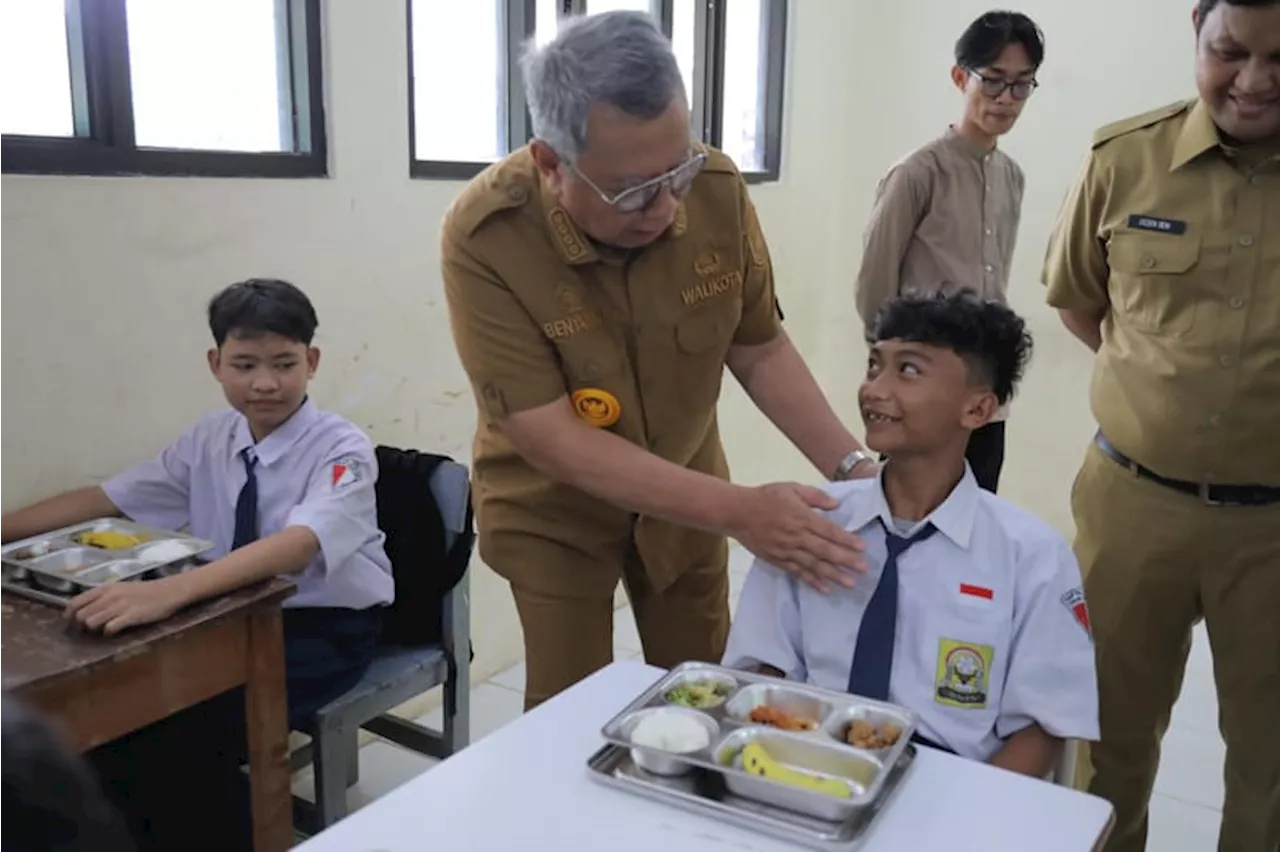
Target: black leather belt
(1213, 495)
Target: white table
(526, 787)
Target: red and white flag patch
(346, 472)
(1075, 603)
(977, 591)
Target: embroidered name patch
(1155, 223)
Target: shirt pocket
(1152, 287)
(702, 340)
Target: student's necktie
(247, 503)
(873, 655)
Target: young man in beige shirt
(946, 215)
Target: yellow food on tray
(758, 762)
(108, 540)
(869, 736)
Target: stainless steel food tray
(61, 563)
(705, 793)
(821, 752)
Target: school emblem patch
(346, 472)
(1075, 603)
(963, 674)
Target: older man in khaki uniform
(1166, 262)
(599, 282)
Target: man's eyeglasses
(636, 198)
(994, 87)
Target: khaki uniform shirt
(947, 213)
(540, 311)
(1177, 239)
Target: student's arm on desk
(113, 607)
(71, 507)
(1030, 751)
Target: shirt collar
(1198, 134)
(954, 518)
(576, 247)
(964, 146)
(279, 442)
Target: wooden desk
(97, 689)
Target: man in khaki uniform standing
(946, 215)
(599, 281)
(1166, 262)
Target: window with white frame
(148, 87)
(467, 100)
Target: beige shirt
(1171, 237)
(946, 214)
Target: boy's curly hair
(988, 335)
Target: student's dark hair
(52, 800)
(259, 306)
(981, 44)
(988, 335)
(1204, 7)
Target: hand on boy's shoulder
(783, 524)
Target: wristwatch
(849, 462)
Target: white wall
(104, 279)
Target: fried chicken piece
(867, 736)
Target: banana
(758, 762)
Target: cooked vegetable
(698, 694)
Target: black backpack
(425, 570)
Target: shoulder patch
(505, 185)
(1116, 129)
(345, 472)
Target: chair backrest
(451, 487)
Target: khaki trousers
(566, 638)
(1155, 562)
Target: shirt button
(1226, 360)
(1148, 261)
(1246, 240)
(1236, 302)
(1215, 419)
(988, 232)
(516, 193)
(989, 268)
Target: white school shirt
(316, 470)
(992, 631)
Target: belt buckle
(1207, 499)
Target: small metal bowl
(61, 585)
(664, 762)
(15, 573)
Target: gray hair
(617, 58)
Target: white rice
(164, 551)
(671, 731)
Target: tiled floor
(1184, 811)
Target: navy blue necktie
(247, 503)
(873, 655)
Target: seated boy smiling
(972, 613)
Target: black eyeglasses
(994, 87)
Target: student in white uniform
(281, 488)
(971, 613)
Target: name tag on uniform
(1155, 223)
